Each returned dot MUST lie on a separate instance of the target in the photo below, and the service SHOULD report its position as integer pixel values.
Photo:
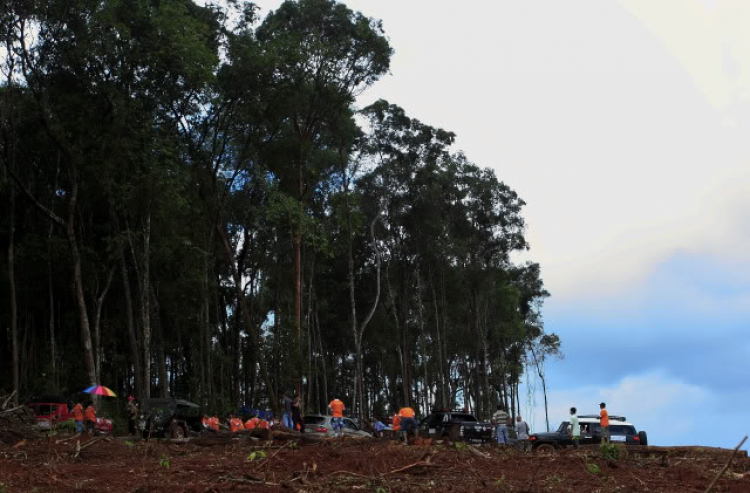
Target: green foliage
(207, 126)
(68, 426)
(593, 468)
(257, 455)
(612, 451)
(164, 462)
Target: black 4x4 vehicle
(173, 418)
(620, 431)
(456, 426)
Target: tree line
(196, 207)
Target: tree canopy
(197, 207)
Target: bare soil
(117, 465)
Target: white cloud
(623, 125)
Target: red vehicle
(49, 414)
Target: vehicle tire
(455, 433)
(179, 432)
(643, 438)
(544, 448)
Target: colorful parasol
(100, 390)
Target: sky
(625, 126)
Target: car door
(350, 427)
(587, 437)
(433, 424)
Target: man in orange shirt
(604, 422)
(213, 423)
(90, 416)
(337, 411)
(408, 423)
(78, 417)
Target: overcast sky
(625, 126)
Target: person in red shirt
(337, 412)
(604, 422)
(213, 423)
(78, 417)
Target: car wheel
(178, 432)
(455, 433)
(642, 438)
(545, 448)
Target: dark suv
(620, 431)
(456, 426)
(173, 418)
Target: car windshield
(563, 426)
(463, 417)
(43, 409)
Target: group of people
(84, 417)
(575, 426)
(502, 421)
(291, 418)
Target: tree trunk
(135, 353)
(50, 287)
(146, 305)
(88, 353)
(423, 347)
(245, 313)
(13, 305)
(99, 303)
(296, 356)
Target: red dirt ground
(114, 465)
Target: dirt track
(117, 466)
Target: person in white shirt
(575, 428)
(522, 433)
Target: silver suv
(320, 424)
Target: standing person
(604, 422)
(286, 418)
(78, 417)
(575, 428)
(522, 432)
(299, 425)
(90, 416)
(132, 414)
(408, 423)
(337, 411)
(213, 423)
(500, 420)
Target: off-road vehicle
(455, 426)
(620, 431)
(174, 418)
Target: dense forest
(194, 205)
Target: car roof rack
(596, 416)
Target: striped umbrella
(100, 390)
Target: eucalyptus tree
(324, 55)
